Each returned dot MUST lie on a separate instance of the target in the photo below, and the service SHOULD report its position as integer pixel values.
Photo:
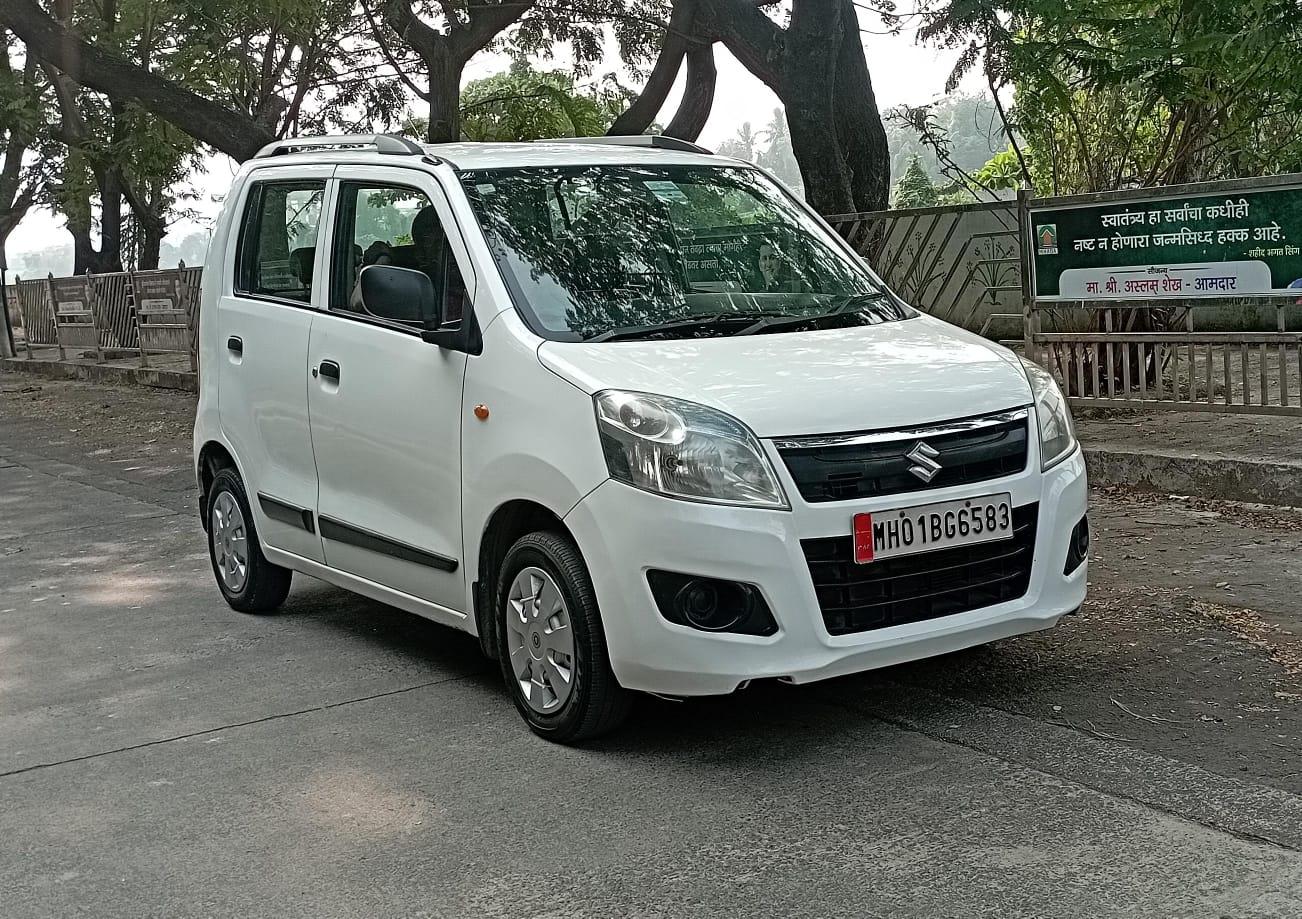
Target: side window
(393, 225)
(277, 247)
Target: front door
(385, 406)
(264, 319)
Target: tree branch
(390, 58)
(698, 94)
(487, 20)
(754, 39)
(209, 122)
(146, 212)
(673, 48)
(1008, 130)
(419, 36)
(72, 130)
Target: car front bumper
(623, 532)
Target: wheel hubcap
(230, 542)
(540, 640)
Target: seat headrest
(301, 262)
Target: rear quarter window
(276, 254)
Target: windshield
(609, 252)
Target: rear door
(264, 319)
(385, 405)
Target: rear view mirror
(399, 295)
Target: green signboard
(1237, 244)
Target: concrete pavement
(161, 755)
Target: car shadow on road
(315, 604)
(981, 674)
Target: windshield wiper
(630, 332)
(845, 307)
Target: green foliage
(20, 100)
(743, 145)
(294, 66)
(256, 56)
(1115, 93)
(915, 188)
(1001, 172)
(770, 148)
(778, 157)
(527, 104)
(969, 124)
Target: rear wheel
(249, 582)
(552, 646)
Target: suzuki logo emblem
(924, 465)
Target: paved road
(161, 755)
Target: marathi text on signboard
(1235, 245)
(740, 259)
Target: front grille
(844, 467)
(912, 588)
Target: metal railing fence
(960, 263)
(96, 316)
(967, 264)
(1154, 357)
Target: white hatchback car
(629, 412)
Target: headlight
(684, 450)
(1057, 435)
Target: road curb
(103, 373)
(1229, 478)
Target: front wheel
(551, 643)
(249, 582)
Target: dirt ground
(103, 421)
(1208, 434)
(1190, 644)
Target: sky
(902, 72)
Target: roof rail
(381, 143)
(658, 141)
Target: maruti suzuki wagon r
(629, 412)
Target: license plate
(927, 527)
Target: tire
(593, 702)
(264, 586)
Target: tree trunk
(85, 257)
(151, 246)
(673, 46)
(83, 249)
(811, 66)
(698, 95)
(9, 220)
(446, 53)
(816, 67)
(109, 257)
(444, 98)
(859, 129)
(7, 225)
(814, 141)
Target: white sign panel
(1146, 282)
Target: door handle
(235, 345)
(330, 370)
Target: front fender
(537, 443)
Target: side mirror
(399, 295)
